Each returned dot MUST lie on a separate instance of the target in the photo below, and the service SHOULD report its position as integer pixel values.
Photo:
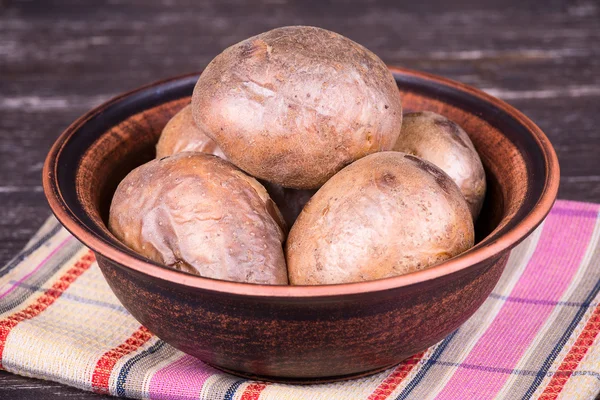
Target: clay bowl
(302, 334)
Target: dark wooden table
(60, 58)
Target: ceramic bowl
(302, 333)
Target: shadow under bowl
(302, 333)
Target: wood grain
(60, 58)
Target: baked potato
(296, 104)
(200, 214)
(384, 215)
(181, 134)
(444, 143)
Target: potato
(296, 104)
(198, 213)
(181, 134)
(442, 142)
(289, 201)
(384, 215)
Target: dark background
(58, 59)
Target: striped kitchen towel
(536, 336)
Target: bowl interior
(102, 147)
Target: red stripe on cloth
(107, 362)
(390, 383)
(45, 300)
(253, 391)
(584, 341)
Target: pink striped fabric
(186, 369)
(537, 336)
(548, 274)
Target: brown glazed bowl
(302, 333)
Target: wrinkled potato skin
(385, 215)
(200, 214)
(444, 143)
(296, 104)
(181, 134)
(289, 201)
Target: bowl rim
(477, 255)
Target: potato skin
(296, 104)
(384, 215)
(444, 143)
(198, 213)
(181, 134)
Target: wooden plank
(16, 387)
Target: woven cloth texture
(535, 337)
